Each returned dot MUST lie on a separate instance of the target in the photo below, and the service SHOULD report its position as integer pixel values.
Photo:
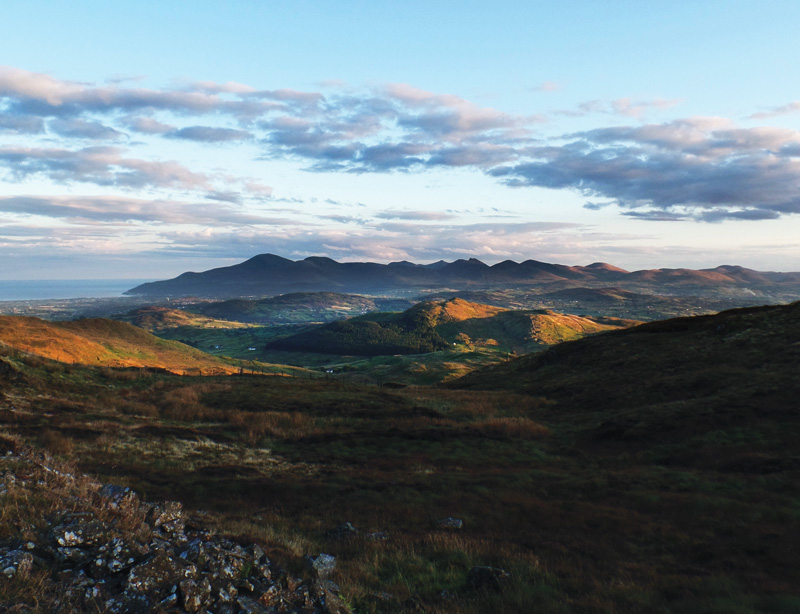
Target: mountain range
(268, 274)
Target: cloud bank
(707, 169)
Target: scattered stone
(195, 594)
(141, 558)
(118, 497)
(167, 517)
(158, 573)
(82, 534)
(484, 578)
(16, 564)
(450, 523)
(323, 565)
(249, 606)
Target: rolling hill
(101, 342)
(437, 325)
(299, 307)
(671, 379)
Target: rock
(450, 523)
(323, 565)
(330, 600)
(249, 606)
(195, 594)
(72, 557)
(147, 561)
(118, 497)
(82, 534)
(167, 517)
(16, 564)
(484, 578)
(258, 554)
(158, 574)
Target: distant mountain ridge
(268, 274)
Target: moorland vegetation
(651, 469)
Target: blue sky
(145, 139)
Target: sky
(144, 139)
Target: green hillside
(298, 308)
(438, 325)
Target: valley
(607, 456)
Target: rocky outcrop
(99, 548)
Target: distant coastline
(35, 290)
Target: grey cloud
(226, 197)
(683, 169)
(39, 94)
(414, 215)
(111, 210)
(104, 166)
(21, 124)
(209, 134)
(82, 129)
(148, 125)
(700, 168)
(287, 95)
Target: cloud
(32, 93)
(624, 107)
(787, 109)
(109, 209)
(82, 129)
(21, 124)
(103, 166)
(546, 86)
(148, 125)
(208, 134)
(702, 168)
(414, 215)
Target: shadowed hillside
(666, 380)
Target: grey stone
(195, 594)
(450, 523)
(250, 606)
(159, 573)
(323, 565)
(82, 534)
(17, 564)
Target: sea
(34, 290)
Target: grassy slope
(156, 319)
(299, 307)
(653, 470)
(104, 342)
(455, 321)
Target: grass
(594, 502)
